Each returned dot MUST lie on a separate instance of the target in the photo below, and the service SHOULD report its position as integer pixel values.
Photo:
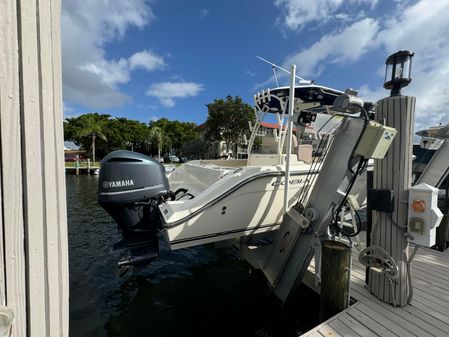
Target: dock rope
(409, 274)
(378, 259)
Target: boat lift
(136, 193)
(304, 225)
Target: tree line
(100, 134)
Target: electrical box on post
(423, 214)
(375, 141)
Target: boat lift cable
(315, 167)
(307, 182)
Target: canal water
(201, 291)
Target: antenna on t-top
(274, 66)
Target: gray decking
(428, 315)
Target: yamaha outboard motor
(130, 187)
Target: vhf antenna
(274, 66)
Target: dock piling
(77, 166)
(335, 275)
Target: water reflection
(199, 291)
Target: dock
(81, 170)
(427, 315)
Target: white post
(34, 277)
(291, 108)
(394, 173)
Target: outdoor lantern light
(397, 72)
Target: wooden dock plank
(355, 325)
(436, 298)
(431, 289)
(310, 332)
(438, 327)
(329, 331)
(384, 314)
(370, 323)
(432, 262)
(427, 316)
(429, 269)
(429, 279)
(343, 329)
(388, 312)
(422, 320)
(436, 308)
(415, 317)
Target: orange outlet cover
(419, 206)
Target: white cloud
(298, 13)
(166, 92)
(89, 78)
(341, 47)
(168, 102)
(110, 73)
(69, 111)
(146, 59)
(66, 108)
(420, 27)
(250, 73)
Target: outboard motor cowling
(130, 187)
(127, 177)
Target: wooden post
(33, 243)
(394, 172)
(88, 165)
(335, 276)
(77, 165)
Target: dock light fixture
(398, 70)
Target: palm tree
(94, 128)
(156, 135)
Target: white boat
(215, 200)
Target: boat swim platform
(427, 315)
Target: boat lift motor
(130, 187)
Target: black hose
(351, 157)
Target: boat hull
(241, 202)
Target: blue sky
(169, 58)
